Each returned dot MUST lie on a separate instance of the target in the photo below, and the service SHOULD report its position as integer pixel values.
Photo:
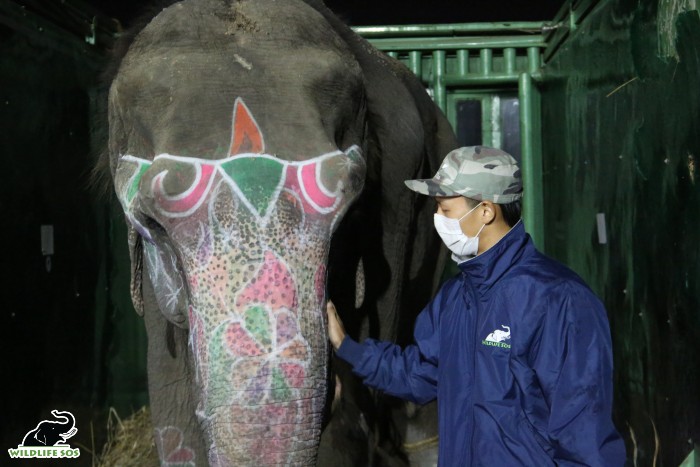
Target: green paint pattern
(257, 323)
(134, 187)
(280, 389)
(220, 363)
(258, 178)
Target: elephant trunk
(249, 237)
(261, 365)
(69, 419)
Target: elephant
(50, 433)
(258, 149)
(498, 335)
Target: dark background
(370, 12)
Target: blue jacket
(516, 349)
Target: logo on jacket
(48, 439)
(498, 337)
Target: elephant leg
(31, 438)
(177, 433)
(421, 436)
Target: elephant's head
(236, 249)
(239, 136)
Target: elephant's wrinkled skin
(240, 134)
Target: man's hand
(336, 331)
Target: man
(516, 348)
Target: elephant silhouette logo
(499, 335)
(498, 338)
(51, 433)
(48, 439)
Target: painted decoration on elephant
(242, 242)
(258, 180)
(169, 442)
(255, 177)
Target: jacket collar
(484, 270)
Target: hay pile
(129, 442)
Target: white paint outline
(158, 180)
(308, 198)
(217, 163)
(212, 217)
(265, 217)
(124, 188)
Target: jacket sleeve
(409, 373)
(574, 369)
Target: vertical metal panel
(486, 61)
(496, 140)
(534, 58)
(531, 164)
(487, 119)
(509, 59)
(415, 62)
(463, 61)
(438, 72)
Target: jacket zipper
(470, 398)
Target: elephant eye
(153, 225)
(145, 225)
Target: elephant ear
(408, 138)
(116, 146)
(390, 228)
(388, 233)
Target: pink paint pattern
(190, 199)
(273, 286)
(169, 441)
(302, 180)
(313, 187)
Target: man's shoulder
(548, 279)
(541, 268)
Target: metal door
(483, 76)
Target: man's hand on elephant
(336, 331)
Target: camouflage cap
(476, 172)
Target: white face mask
(462, 246)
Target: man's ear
(489, 212)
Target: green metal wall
(621, 138)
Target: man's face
(455, 207)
